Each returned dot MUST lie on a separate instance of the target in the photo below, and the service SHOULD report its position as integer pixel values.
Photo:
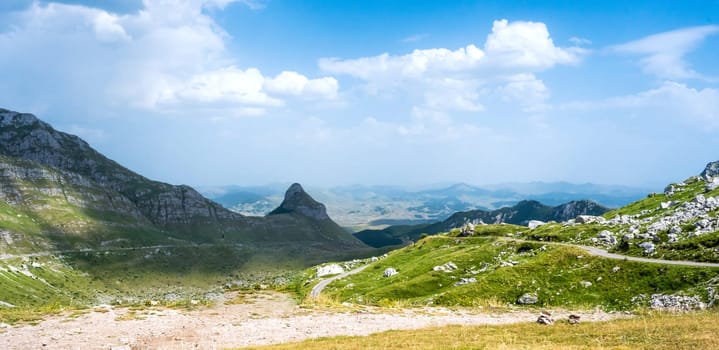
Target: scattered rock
(607, 237)
(463, 281)
(676, 302)
(589, 219)
(327, 270)
(389, 272)
(574, 319)
(448, 267)
(545, 318)
(528, 299)
(532, 224)
(647, 246)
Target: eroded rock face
(26, 137)
(298, 201)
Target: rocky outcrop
(298, 201)
(711, 170)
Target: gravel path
(316, 290)
(605, 254)
(266, 318)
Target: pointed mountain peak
(298, 201)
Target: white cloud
(526, 45)
(518, 45)
(169, 55)
(664, 52)
(449, 80)
(293, 83)
(672, 101)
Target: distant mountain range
(519, 214)
(362, 207)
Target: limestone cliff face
(298, 201)
(26, 137)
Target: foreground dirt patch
(265, 318)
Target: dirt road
(265, 318)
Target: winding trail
(605, 254)
(316, 290)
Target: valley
(85, 241)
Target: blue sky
(249, 92)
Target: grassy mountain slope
(504, 270)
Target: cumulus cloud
(293, 83)
(170, 54)
(449, 79)
(518, 45)
(664, 52)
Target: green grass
(651, 332)
(553, 273)
(693, 188)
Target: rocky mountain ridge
(520, 214)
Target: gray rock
(647, 246)
(627, 237)
(711, 170)
(448, 267)
(463, 281)
(528, 299)
(389, 272)
(676, 302)
(588, 219)
(532, 224)
(332, 269)
(607, 237)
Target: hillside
(654, 247)
(519, 214)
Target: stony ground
(263, 318)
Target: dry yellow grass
(656, 331)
